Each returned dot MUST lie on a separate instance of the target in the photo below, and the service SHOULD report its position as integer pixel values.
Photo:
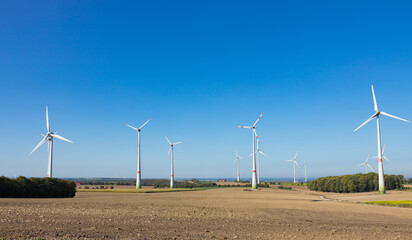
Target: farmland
(220, 213)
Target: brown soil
(228, 213)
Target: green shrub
(355, 183)
(285, 188)
(22, 187)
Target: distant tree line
(119, 181)
(355, 183)
(194, 183)
(108, 181)
(409, 181)
(22, 187)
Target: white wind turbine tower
(254, 179)
(49, 136)
(139, 175)
(238, 171)
(258, 152)
(380, 163)
(367, 165)
(172, 178)
(294, 166)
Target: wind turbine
(383, 155)
(306, 179)
(367, 165)
(172, 178)
(139, 176)
(254, 180)
(238, 171)
(49, 136)
(294, 165)
(380, 163)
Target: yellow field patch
(401, 203)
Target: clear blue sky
(198, 69)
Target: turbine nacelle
(171, 144)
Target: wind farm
(158, 101)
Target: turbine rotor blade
(256, 135)
(61, 138)
(177, 143)
(389, 115)
(170, 149)
(264, 154)
(295, 155)
(38, 145)
(132, 127)
(243, 127)
(386, 159)
(374, 100)
(257, 119)
(144, 123)
(369, 119)
(168, 140)
(47, 119)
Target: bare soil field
(227, 213)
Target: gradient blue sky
(198, 69)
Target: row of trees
(194, 183)
(22, 187)
(120, 181)
(356, 183)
